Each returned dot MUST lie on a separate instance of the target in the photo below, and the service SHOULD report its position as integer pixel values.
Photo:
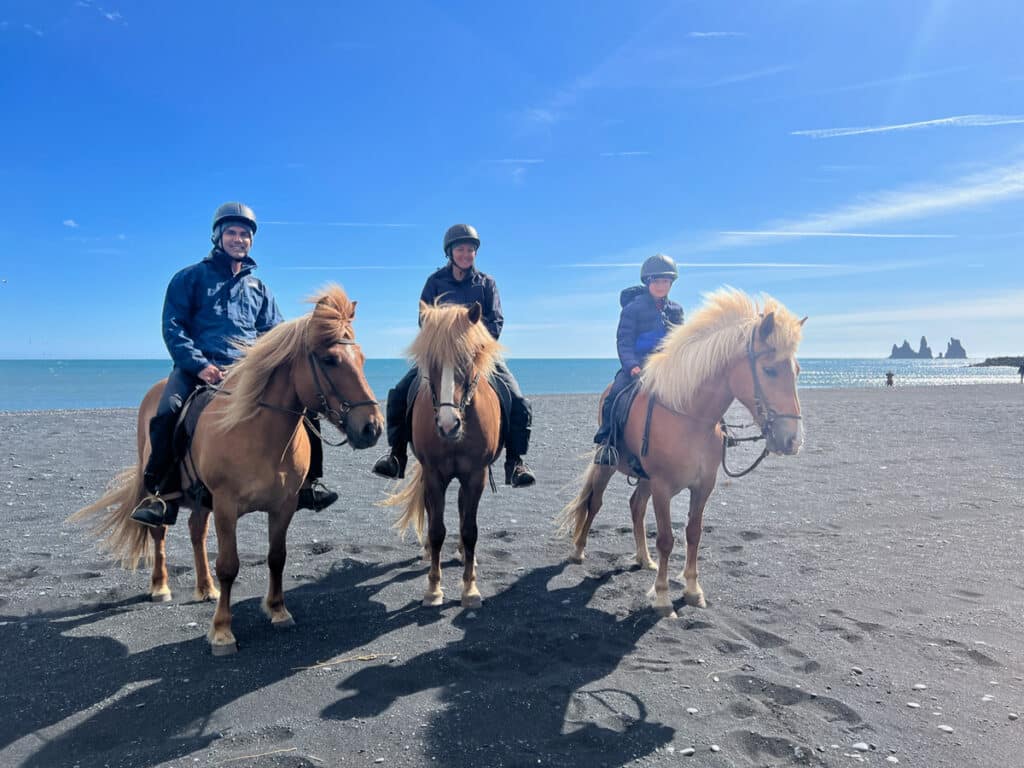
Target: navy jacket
(641, 328)
(475, 287)
(207, 308)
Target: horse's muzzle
(366, 435)
(785, 439)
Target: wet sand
(887, 555)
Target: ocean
(34, 385)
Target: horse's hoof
(224, 649)
(472, 602)
(577, 557)
(648, 564)
(160, 597)
(695, 599)
(206, 597)
(432, 601)
(667, 612)
(285, 623)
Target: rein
(767, 415)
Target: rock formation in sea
(905, 352)
(955, 350)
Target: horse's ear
(352, 314)
(804, 320)
(474, 312)
(767, 326)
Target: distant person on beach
(643, 322)
(209, 307)
(1021, 372)
(460, 282)
(888, 378)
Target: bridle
(464, 402)
(766, 415)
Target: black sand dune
(886, 556)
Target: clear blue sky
(871, 153)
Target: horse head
(454, 351)
(330, 379)
(765, 380)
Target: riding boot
(159, 476)
(316, 495)
(517, 474)
(392, 464)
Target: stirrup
(606, 455)
(154, 511)
(317, 497)
(518, 475)
(389, 465)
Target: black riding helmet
(230, 213)
(460, 233)
(657, 266)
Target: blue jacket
(476, 286)
(207, 308)
(641, 328)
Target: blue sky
(861, 161)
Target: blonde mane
(285, 344)
(712, 339)
(447, 338)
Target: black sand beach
(879, 569)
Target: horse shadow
(82, 694)
(520, 683)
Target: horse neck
(286, 407)
(712, 399)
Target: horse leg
(434, 491)
(637, 510)
(159, 590)
(598, 478)
(469, 502)
(663, 514)
(273, 604)
(692, 593)
(222, 640)
(198, 527)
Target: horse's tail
(122, 537)
(574, 514)
(411, 496)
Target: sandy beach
(865, 592)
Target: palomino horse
(730, 350)
(251, 452)
(456, 433)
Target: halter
(341, 414)
(765, 414)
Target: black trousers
(520, 419)
(620, 382)
(159, 475)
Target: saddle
(184, 431)
(618, 416)
(500, 389)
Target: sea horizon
(40, 384)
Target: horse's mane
(715, 336)
(286, 343)
(447, 338)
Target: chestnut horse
(456, 434)
(730, 350)
(251, 452)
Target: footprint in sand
(786, 696)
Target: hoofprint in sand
(878, 569)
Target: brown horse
(456, 434)
(251, 452)
(730, 350)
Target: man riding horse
(209, 308)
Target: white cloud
(33, 30)
(707, 265)
(896, 80)
(635, 153)
(352, 267)
(356, 224)
(1008, 305)
(957, 121)
(743, 77)
(523, 161)
(716, 34)
(883, 235)
(71, 223)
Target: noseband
(464, 402)
(765, 414)
(340, 415)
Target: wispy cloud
(353, 268)
(707, 265)
(33, 30)
(634, 153)
(539, 116)
(520, 161)
(1007, 305)
(907, 77)
(71, 223)
(743, 77)
(957, 121)
(354, 224)
(988, 187)
(716, 34)
(111, 16)
(793, 233)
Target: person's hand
(635, 371)
(211, 374)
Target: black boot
(316, 497)
(392, 465)
(155, 511)
(517, 474)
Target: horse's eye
(771, 373)
(329, 360)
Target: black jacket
(475, 287)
